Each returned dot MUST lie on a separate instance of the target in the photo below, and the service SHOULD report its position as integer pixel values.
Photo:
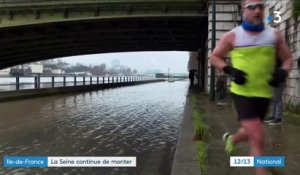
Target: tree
(98, 70)
(128, 71)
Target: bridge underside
(24, 39)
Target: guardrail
(39, 82)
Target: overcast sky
(141, 61)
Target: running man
(253, 48)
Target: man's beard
(256, 23)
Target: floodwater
(141, 121)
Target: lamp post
(213, 44)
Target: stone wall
(290, 30)
(227, 16)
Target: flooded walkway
(281, 140)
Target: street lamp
(213, 44)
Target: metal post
(64, 81)
(35, 83)
(199, 69)
(127, 79)
(52, 82)
(75, 81)
(107, 80)
(83, 80)
(97, 80)
(17, 83)
(91, 80)
(213, 43)
(103, 80)
(38, 81)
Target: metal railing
(37, 82)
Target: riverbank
(185, 159)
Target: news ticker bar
(257, 161)
(44, 161)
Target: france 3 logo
(275, 17)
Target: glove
(239, 76)
(278, 77)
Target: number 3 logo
(277, 18)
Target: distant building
(57, 71)
(161, 75)
(53, 69)
(20, 70)
(115, 63)
(5, 72)
(152, 71)
(36, 68)
(81, 74)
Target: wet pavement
(141, 121)
(281, 140)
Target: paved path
(281, 140)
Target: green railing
(38, 82)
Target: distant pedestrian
(221, 88)
(192, 77)
(277, 101)
(192, 66)
(276, 107)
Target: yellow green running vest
(256, 56)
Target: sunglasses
(253, 6)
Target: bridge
(33, 30)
